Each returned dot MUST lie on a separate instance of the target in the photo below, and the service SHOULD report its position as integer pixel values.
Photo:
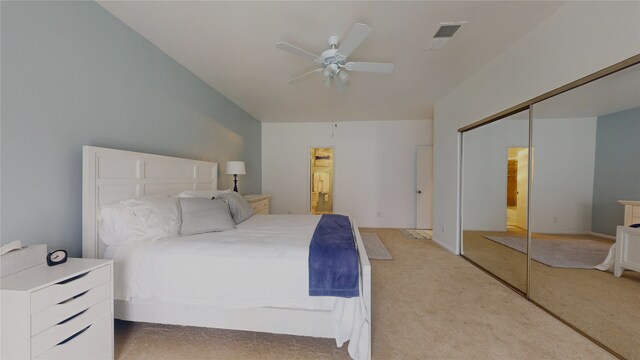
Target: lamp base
(235, 183)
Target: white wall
(564, 158)
(564, 153)
(576, 40)
(485, 171)
(375, 168)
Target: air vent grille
(446, 31)
(444, 34)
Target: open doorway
(321, 180)
(517, 182)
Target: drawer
(263, 212)
(635, 212)
(71, 329)
(68, 308)
(56, 293)
(260, 205)
(93, 342)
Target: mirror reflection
(585, 194)
(494, 197)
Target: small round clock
(56, 257)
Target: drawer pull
(73, 336)
(72, 298)
(72, 278)
(72, 317)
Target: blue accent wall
(74, 75)
(617, 168)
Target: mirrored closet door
(572, 246)
(586, 145)
(495, 175)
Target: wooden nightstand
(59, 312)
(259, 203)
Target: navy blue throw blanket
(333, 259)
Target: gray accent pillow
(240, 208)
(201, 215)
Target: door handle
(419, 191)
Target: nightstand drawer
(261, 205)
(48, 310)
(70, 331)
(90, 343)
(66, 289)
(69, 308)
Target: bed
(110, 175)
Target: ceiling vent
(444, 34)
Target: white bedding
(261, 263)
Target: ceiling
(230, 45)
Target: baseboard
(603, 235)
(564, 232)
(444, 245)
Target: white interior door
(424, 180)
(523, 169)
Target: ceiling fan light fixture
(334, 69)
(334, 60)
(343, 75)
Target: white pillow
(209, 194)
(150, 217)
(118, 224)
(200, 215)
(240, 208)
(159, 214)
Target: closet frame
(523, 106)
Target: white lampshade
(235, 168)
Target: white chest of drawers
(59, 312)
(628, 240)
(259, 203)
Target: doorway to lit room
(517, 170)
(321, 194)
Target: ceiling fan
(334, 60)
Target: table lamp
(235, 168)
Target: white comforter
(261, 263)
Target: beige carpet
(596, 302)
(427, 304)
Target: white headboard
(110, 175)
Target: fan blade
(358, 33)
(297, 51)
(384, 68)
(303, 76)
